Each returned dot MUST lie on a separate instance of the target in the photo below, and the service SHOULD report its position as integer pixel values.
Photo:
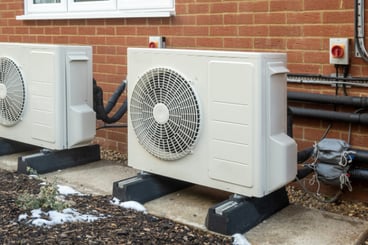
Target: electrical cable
(319, 197)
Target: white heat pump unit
(213, 118)
(46, 95)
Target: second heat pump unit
(46, 95)
(213, 118)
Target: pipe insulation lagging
(355, 173)
(359, 156)
(114, 98)
(329, 99)
(330, 115)
(359, 173)
(101, 111)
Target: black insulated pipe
(329, 99)
(304, 172)
(359, 156)
(101, 111)
(355, 173)
(303, 155)
(115, 96)
(289, 123)
(359, 173)
(330, 115)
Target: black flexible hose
(101, 111)
(305, 154)
(303, 172)
(115, 96)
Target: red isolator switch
(156, 42)
(337, 51)
(153, 45)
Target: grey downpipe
(328, 99)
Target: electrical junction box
(339, 51)
(156, 42)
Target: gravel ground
(344, 207)
(122, 226)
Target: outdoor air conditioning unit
(213, 118)
(46, 95)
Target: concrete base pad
(93, 178)
(303, 226)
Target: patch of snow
(53, 217)
(129, 205)
(115, 201)
(239, 239)
(133, 205)
(22, 217)
(36, 213)
(66, 190)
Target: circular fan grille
(12, 92)
(165, 114)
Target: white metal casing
(58, 112)
(243, 147)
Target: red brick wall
(301, 28)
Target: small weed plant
(46, 199)
(31, 171)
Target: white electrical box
(156, 42)
(339, 51)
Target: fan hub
(161, 113)
(3, 91)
